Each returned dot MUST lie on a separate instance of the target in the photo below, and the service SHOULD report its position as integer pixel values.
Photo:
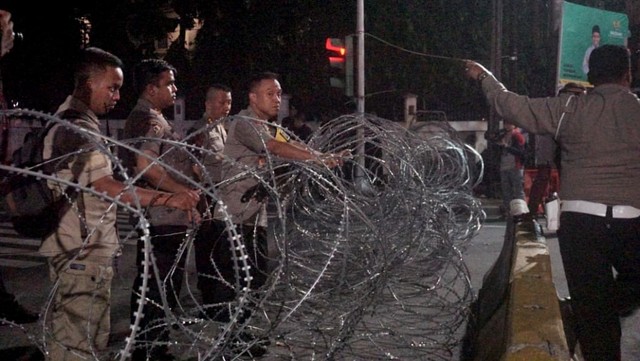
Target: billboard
(583, 29)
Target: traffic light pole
(360, 92)
(348, 66)
(496, 55)
(360, 57)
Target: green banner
(583, 29)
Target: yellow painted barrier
(535, 329)
(517, 314)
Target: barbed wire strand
(365, 259)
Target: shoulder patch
(281, 136)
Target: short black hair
(595, 29)
(257, 78)
(148, 72)
(608, 64)
(91, 60)
(217, 87)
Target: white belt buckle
(625, 212)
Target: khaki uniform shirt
(214, 137)
(88, 166)
(146, 122)
(245, 149)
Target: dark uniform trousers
(592, 247)
(219, 265)
(165, 241)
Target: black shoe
(12, 311)
(246, 344)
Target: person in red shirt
(512, 143)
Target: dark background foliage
(240, 37)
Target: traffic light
(337, 57)
(341, 63)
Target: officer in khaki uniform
(82, 248)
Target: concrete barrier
(516, 316)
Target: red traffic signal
(338, 52)
(336, 45)
(341, 60)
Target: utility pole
(492, 160)
(360, 93)
(360, 34)
(513, 57)
(496, 53)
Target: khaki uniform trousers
(80, 318)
